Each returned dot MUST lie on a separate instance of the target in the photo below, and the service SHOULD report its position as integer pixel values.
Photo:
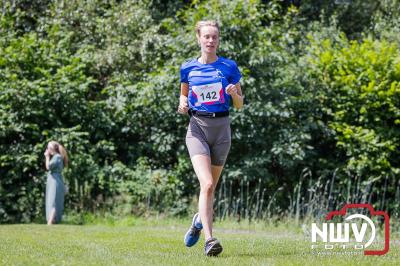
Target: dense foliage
(320, 125)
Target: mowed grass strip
(152, 244)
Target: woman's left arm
(235, 91)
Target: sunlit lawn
(161, 243)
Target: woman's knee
(208, 187)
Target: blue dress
(55, 188)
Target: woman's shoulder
(188, 63)
(57, 156)
(56, 161)
(227, 61)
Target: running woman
(208, 85)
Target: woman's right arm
(183, 99)
(47, 162)
(47, 156)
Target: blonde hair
(203, 23)
(60, 150)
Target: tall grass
(310, 198)
(244, 199)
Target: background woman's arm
(47, 156)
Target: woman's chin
(210, 51)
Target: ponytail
(64, 154)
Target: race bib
(208, 93)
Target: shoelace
(211, 241)
(194, 230)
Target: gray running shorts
(209, 136)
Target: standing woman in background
(208, 85)
(56, 160)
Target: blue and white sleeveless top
(207, 83)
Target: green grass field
(161, 243)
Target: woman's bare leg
(208, 176)
(52, 217)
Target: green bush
(361, 87)
(102, 77)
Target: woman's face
(208, 39)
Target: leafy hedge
(101, 77)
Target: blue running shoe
(212, 247)
(193, 234)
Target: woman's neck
(208, 58)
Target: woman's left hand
(231, 90)
(47, 153)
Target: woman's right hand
(183, 107)
(47, 153)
